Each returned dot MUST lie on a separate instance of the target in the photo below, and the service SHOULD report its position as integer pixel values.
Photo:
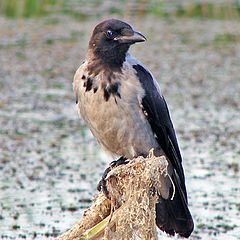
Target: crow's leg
(122, 160)
(102, 183)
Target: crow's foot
(120, 161)
(102, 183)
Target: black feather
(172, 215)
(106, 94)
(111, 89)
(95, 89)
(89, 84)
(158, 116)
(114, 89)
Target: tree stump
(129, 212)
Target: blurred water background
(82, 9)
(49, 162)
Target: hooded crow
(122, 104)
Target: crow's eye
(109, 34)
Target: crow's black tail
(173, 216)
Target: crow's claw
(102, 183)
(120, 161)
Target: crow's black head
(111, 40)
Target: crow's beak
(131, 39)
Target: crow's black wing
(172, 215)
(158, 116)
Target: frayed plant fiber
(134, 190)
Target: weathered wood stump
(129, 213)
